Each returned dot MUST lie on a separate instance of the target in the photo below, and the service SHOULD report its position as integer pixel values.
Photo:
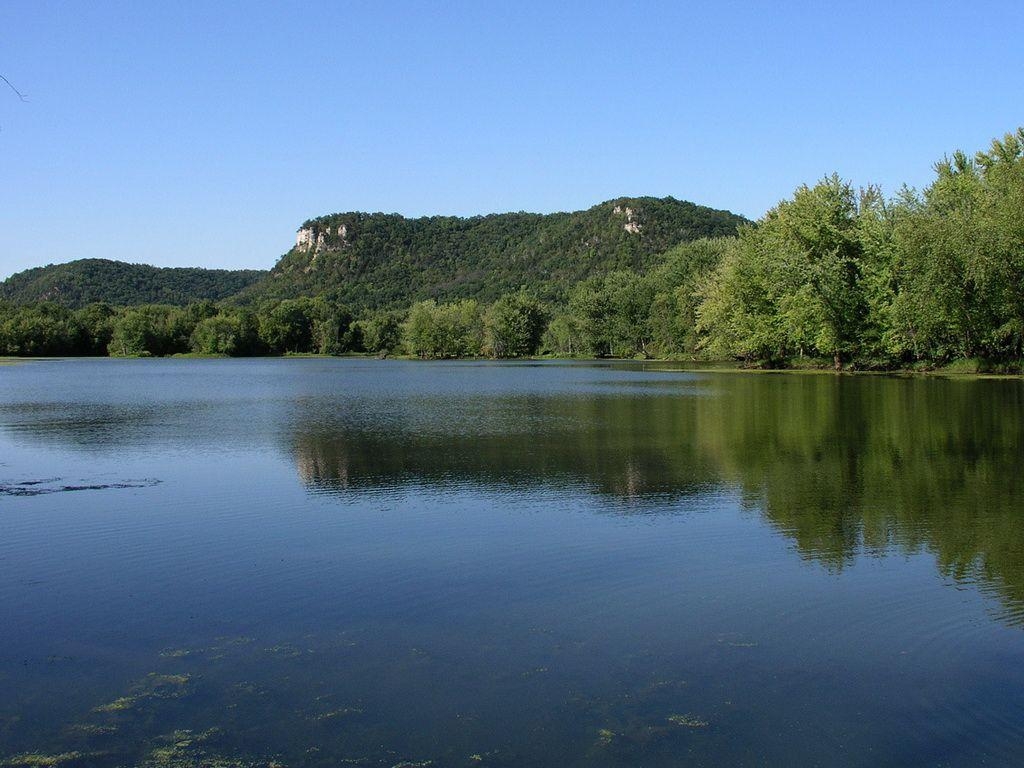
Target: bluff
(378, 260)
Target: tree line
(831, 276)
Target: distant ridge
(385, 260)
(85, 281)
(377, 260)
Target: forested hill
(78, 283)
(386, 260)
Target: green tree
(444, 330)
(220, 335)
(514, 325)
(589, 307)
(563, 336)
(287, 326)
(794, 285)
(97, 321)
(381, 332)
(629, 297)
(145, 330)
(45, 329)
(331, 328)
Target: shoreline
(679, 365)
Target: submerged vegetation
(830, 277)
(225, 725)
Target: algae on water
(688, 721)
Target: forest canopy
(86, 281)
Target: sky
(204, 133)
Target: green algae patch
(118, 705)
(284, 651)
(339, 713)
(152, 686)
(188, 749)
(166, 683)
(41, 761)
(176, 653)
(688, 721)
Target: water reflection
(843, 466)
(637, 448)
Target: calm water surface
(367, 563)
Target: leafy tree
(43, 330)
(435, 330)
(287, 327)
(331, 327)
(146, 330)
(563, 336)
(220, 335)
(629, 300)
(514, 325)
(673, 312)
(97, 325)
(381, 332)
(794, 285)
(588, 305)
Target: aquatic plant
(688, 721)
(118, 705)
(40, 761)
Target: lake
(319, 562)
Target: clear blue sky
(204, 133)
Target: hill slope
(386, 260)
(85, 281)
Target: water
(357, 562)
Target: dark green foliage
(40, 330)
(288, 327)
(626, 314)
(796, 280)
(866, 282)
(78, 283)
(673, 313)
(147, 330)
(380, 332)
(331, 327)
(514, 325)
(221, 335)
(97, 321)
(435, 330)
(387, 261)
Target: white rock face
(304, 239)
(315, 239)
(632, 225)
